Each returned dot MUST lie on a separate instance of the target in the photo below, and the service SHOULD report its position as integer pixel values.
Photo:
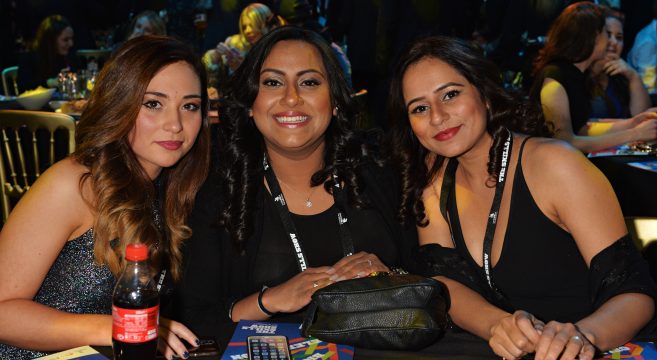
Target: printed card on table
(634, 351)
(300, 347)
(82, 353)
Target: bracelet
(230, 310)
(260, 304)
(398, 271)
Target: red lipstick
(447, 133)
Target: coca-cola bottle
(135, 308)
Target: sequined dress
(75, 284)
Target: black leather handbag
(395, 312)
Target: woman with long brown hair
(50, 52)
(142, 153)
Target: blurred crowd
(366, 35)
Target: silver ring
(315, 284)
(576, 338)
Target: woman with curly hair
(538, 270)
(142, 152)
(297, 191)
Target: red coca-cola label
(135, 325)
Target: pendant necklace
(307, 200)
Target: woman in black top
(288, 155)
(548, 268)
(577, 39)
(50, 54)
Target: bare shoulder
(64, 177)
(57, 193)
(554, 159)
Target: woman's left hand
(563, 341)
(170, 334)
(357, 265)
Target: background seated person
(50, 53)
(617, 88)
(576, 40)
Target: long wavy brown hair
(123, 194)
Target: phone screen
(268, 347)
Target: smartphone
(207, 347)
(268, 347)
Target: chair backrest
(26, 136)
(9, 83)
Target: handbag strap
(288, 224)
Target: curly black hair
(241, 145)
(505, 112)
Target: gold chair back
(9, 83)
(23, 146)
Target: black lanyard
(286, 218)
(448, 180)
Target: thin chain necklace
(307, 200)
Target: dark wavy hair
(505, 112)
(123, 193)
(242, 145)
(572, 35)
(45, 45)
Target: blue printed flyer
(300, 347)
(635, 351)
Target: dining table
(454, 345)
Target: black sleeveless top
(574, 82)
(540, 269)
(320, 239)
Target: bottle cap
(136, 252)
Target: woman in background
(577, 39)
(142, 152)
(549, 267)
(147, 22)
(617, 91)
(256, 20)
(49, 54)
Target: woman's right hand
(170, 334)
(295, 293)
(515, 335)
(645, 126)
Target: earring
(335, 111)
(250, 113)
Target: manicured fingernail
(198, 342)
(340, 278)
(333, 277)
(361, 274)
(185, 354)
(330, 271)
